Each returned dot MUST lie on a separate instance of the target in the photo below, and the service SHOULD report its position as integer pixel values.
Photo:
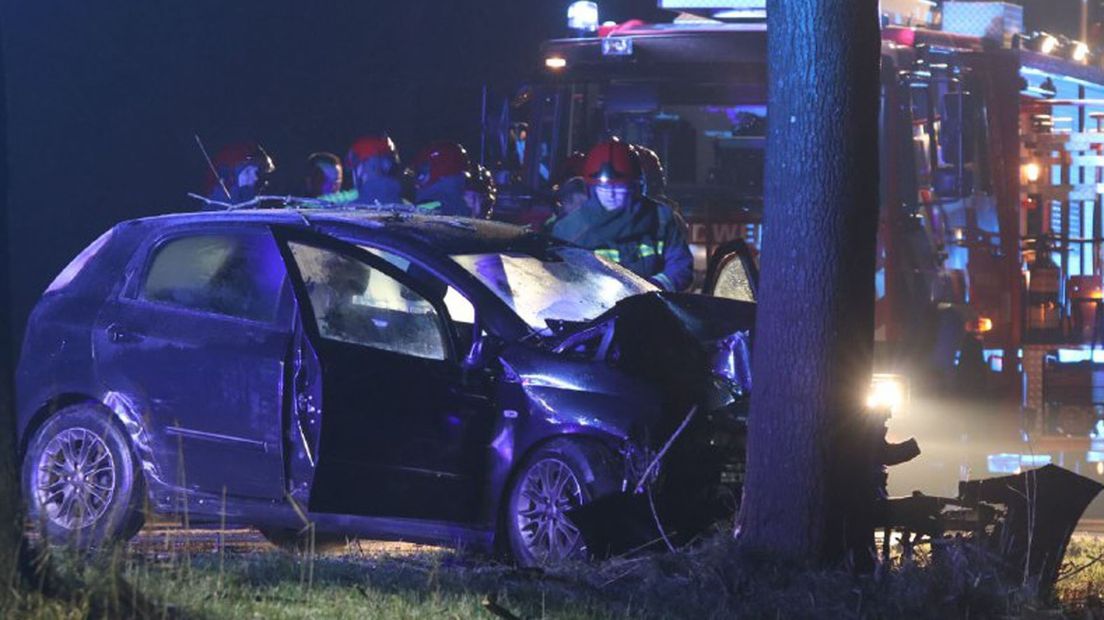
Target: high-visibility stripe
(659, 248)
(609, 254)
(430, 206)
(342, 197)
(646, 250)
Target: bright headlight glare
(1048, 44)
(1031, 172)
(1080, 52)
(886, 393)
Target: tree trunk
(815, 325)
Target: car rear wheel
(81, 480)
(558, 477)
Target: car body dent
(579, 396)
(123, 407)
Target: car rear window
(235, 275)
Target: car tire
(536, 530)
(81, 480)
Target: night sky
(104, 97)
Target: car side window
(460, 310)
(238, 275)
(354, 302)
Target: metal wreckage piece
(671, 494)
(1026, 520)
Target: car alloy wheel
(75, 478)
(548, 490)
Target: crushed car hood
(671, 339)
(686, 318)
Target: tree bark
(814, 333)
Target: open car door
(733, 273)
(402, 434)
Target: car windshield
(569, 284)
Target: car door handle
(118, 335)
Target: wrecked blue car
(378, 374)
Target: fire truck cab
(989, 252)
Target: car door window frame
(145, 256)
(284, 237)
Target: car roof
(445, 234)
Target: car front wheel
(81, 480)
(558, 477)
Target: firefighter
(441, 174)
(324, 174)
(570, 196)
(480, 192)
(238, 173)
(377, 171)
(569, 191)
(653, 177)
(571, 167)
(619, 223)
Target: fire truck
(992, 150)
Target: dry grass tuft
(711, 580)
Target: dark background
(104, 97)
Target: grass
(1081, 583)
(710, 581)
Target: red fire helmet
(611, 162)
(232, 158)
(438, 160)
(367, 147)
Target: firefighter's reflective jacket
(647, 238)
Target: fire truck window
(540, 146)
(957, 141)
(711, 137)
(707, 146)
